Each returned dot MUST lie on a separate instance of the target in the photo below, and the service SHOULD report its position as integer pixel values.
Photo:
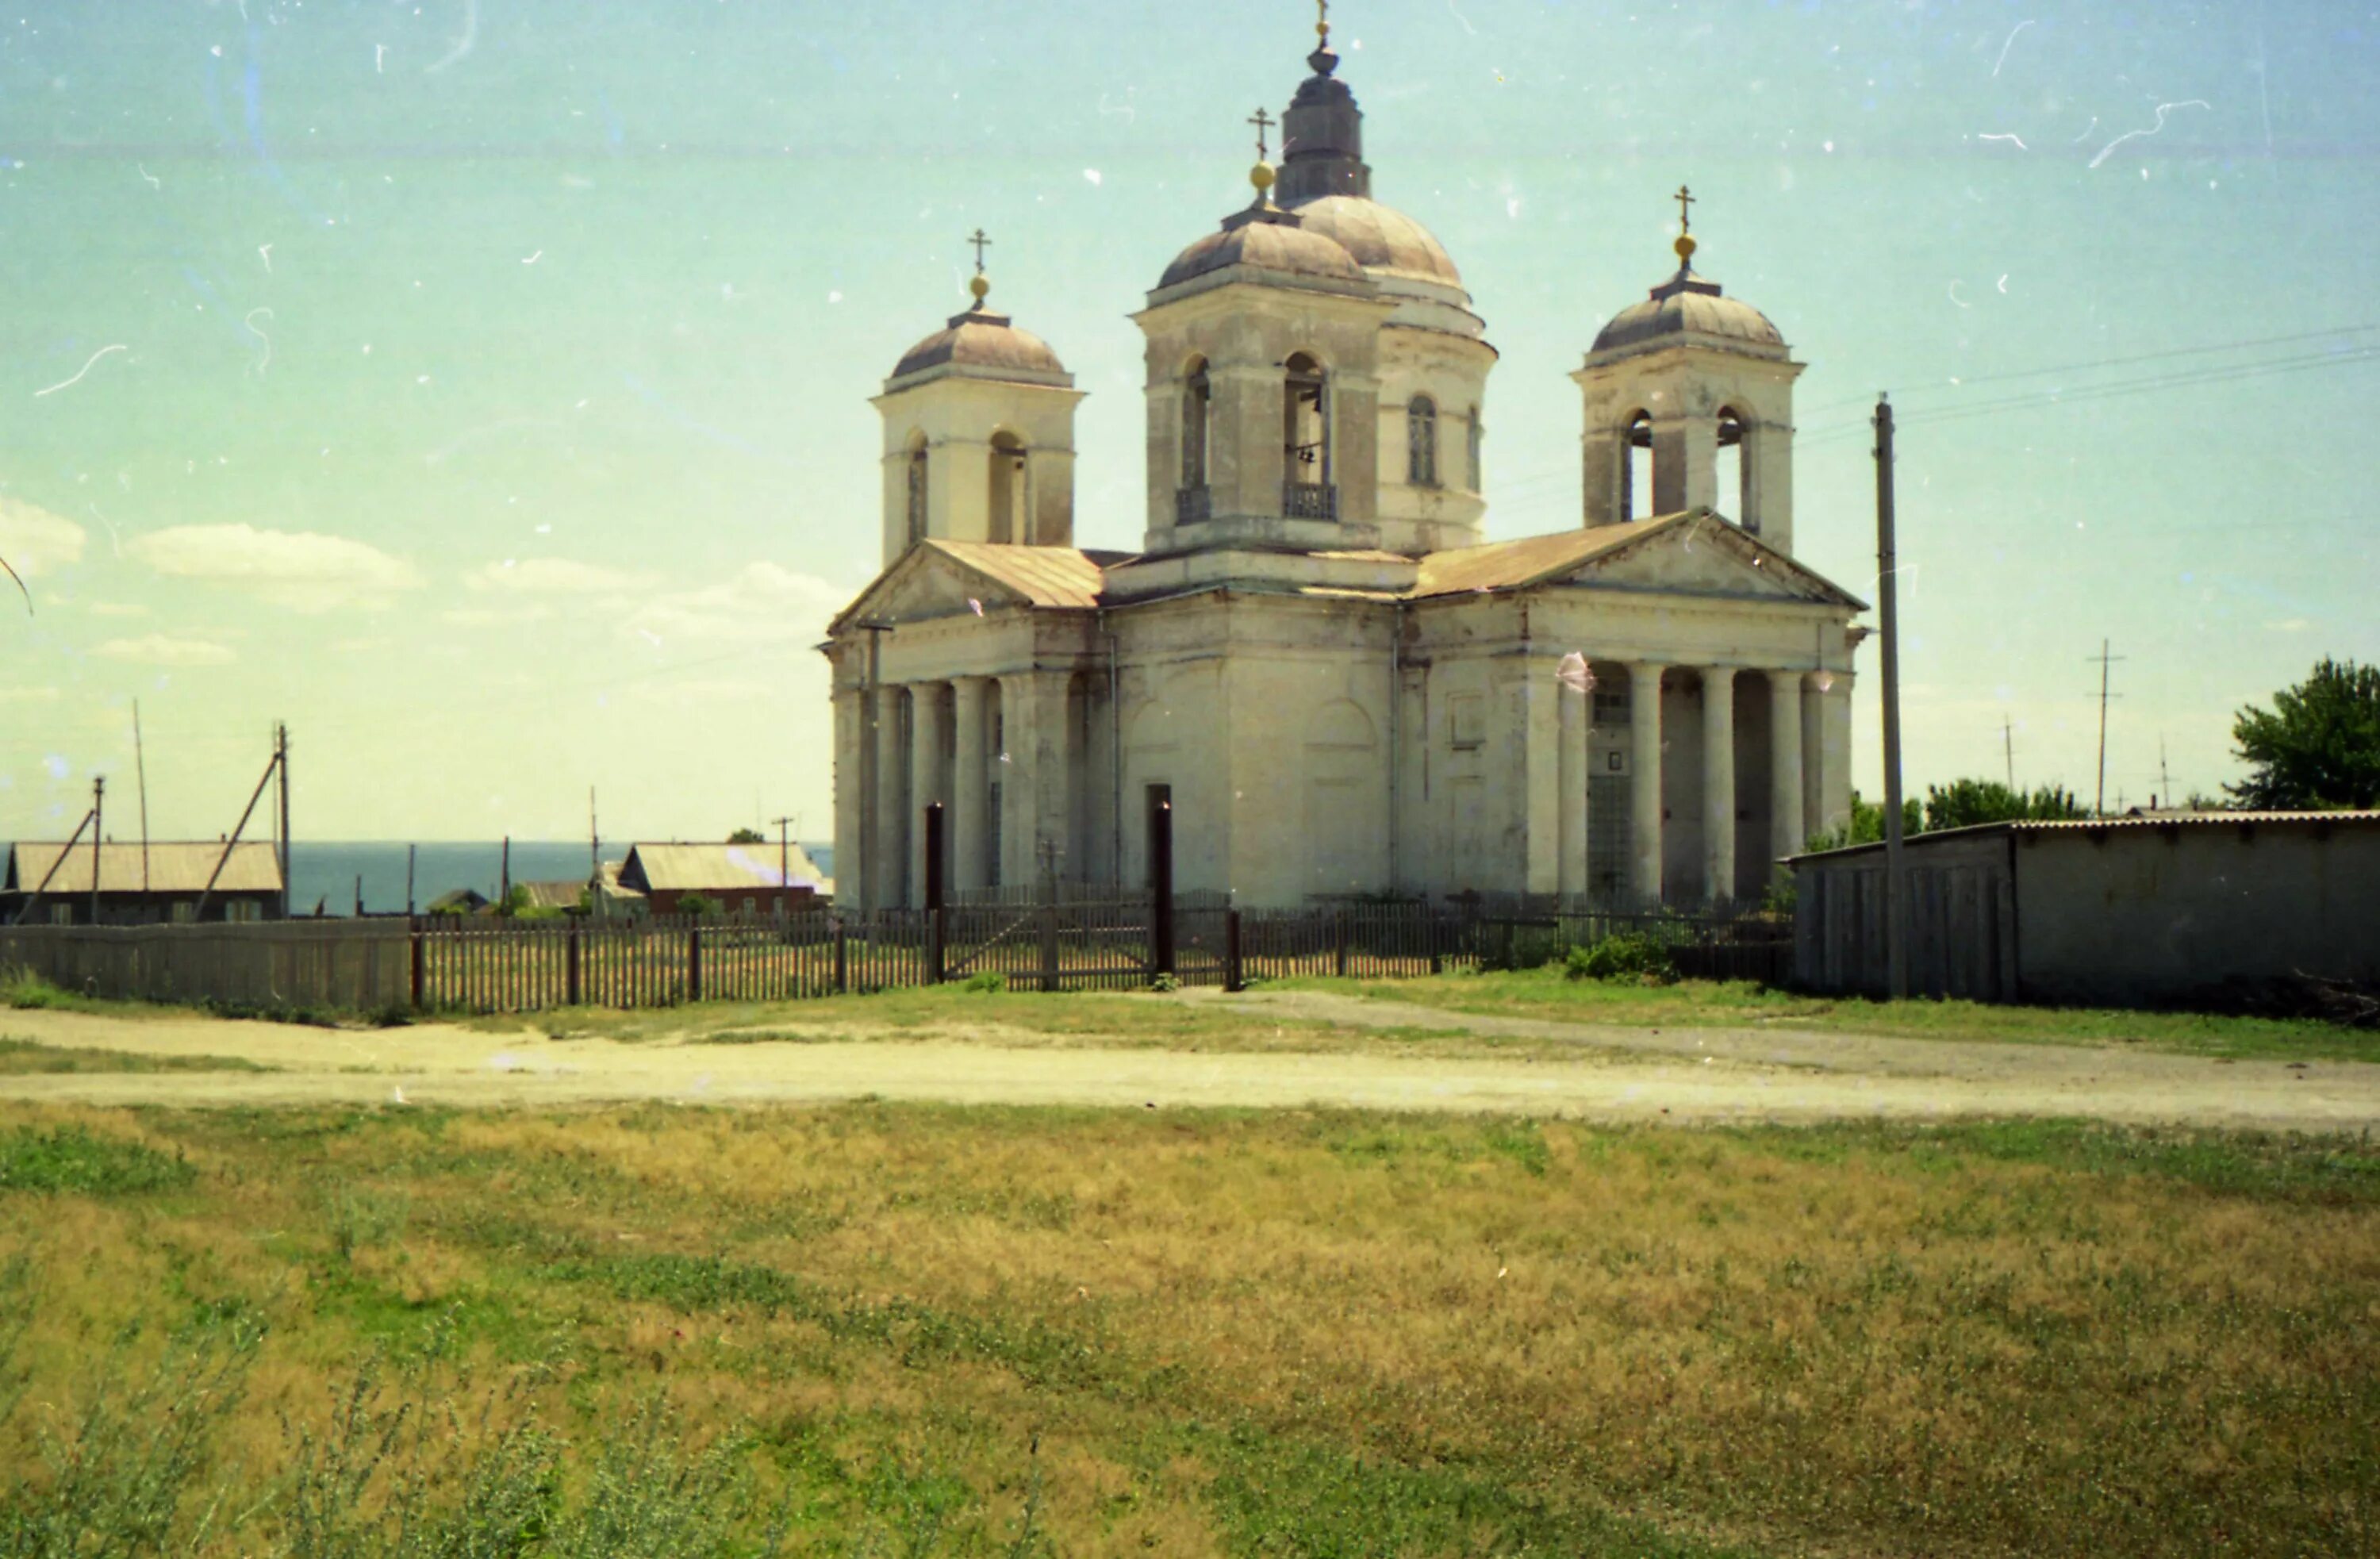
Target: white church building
(1315, 660)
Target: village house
(764, 881)
(1316, 663)
(141, 884)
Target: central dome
(1383, 239)
(1287, 247)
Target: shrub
(696, 906)
(22, 988)
(1628, 956)
(986, 983)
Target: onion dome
(984, 345)
(1689, 308)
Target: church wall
(1684, 389)
(958, 415)
(1453, 372)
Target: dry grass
(21, 1057)
(1305, 1333)
(1545, 993)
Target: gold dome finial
(1261, 175)
(1685, 245)
(1322, 19)
(979, 283)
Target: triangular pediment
(940, 578)
(1703, 554)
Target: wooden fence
(489, 965)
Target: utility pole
(2007, 746)
(594, 841)
(2165, 780)
(141, 769)
(98, 822)
(410, 852)
(784, 850)
(281, 760)
(1896, 882)
(2099, 801)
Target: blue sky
(481, 385)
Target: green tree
(746, 836)
(697, 906)
(2318, 747)
(1867, 826)
(1964, 803)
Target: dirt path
(1681, 1076)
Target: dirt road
(1681, 1076)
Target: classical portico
(1317, 659)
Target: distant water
(326, 873)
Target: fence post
(694, 963)
(1232, 978)
(842, 959)
(571, 995)
(1049, 932)
(1160, 883)
(937, 941)
(414, 934)
(1339, 942)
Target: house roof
(176, 867)
(715, 867)
(2050, 827)
(563, 895)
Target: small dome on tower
(1382, 238)
(1690, 305)
(988, 344)
(1279, 245)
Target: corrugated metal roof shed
(715, 867)
(2129, 820)
(177, 867)
(563, 895)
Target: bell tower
(978, 434)
(1689, 404)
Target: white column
(970, 789)
(1718, 783)
(1829, 796)
(1540, 756)
(884, 846)
(1785, 816)
(924, 765)
(850, 795)
(1576, 707)
(1644, 780)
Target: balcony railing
(1193, 503)
(1310, 500)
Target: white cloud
(303, 570)
(764, 604)
(494, 616)
(115, 609)
(155, 649)
(29, 695)
(552, 575)
(33, 540)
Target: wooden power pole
(1896, 881)
(2099, 801)
(98, 822)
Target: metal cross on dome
(1263, 122)
(1685, 218)
(980, 243)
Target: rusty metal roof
(1532, 560)
(175, 867)
(721, 869)
(1044, 575)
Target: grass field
(1544, 993)
(23, 1057)
(923, 1330)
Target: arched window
(1734, 497)
(1474, 459)
(1636, 471)
(1197, 407)
(1307, 492)
(1421, 441)
(1009, 521)
(916, 503)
